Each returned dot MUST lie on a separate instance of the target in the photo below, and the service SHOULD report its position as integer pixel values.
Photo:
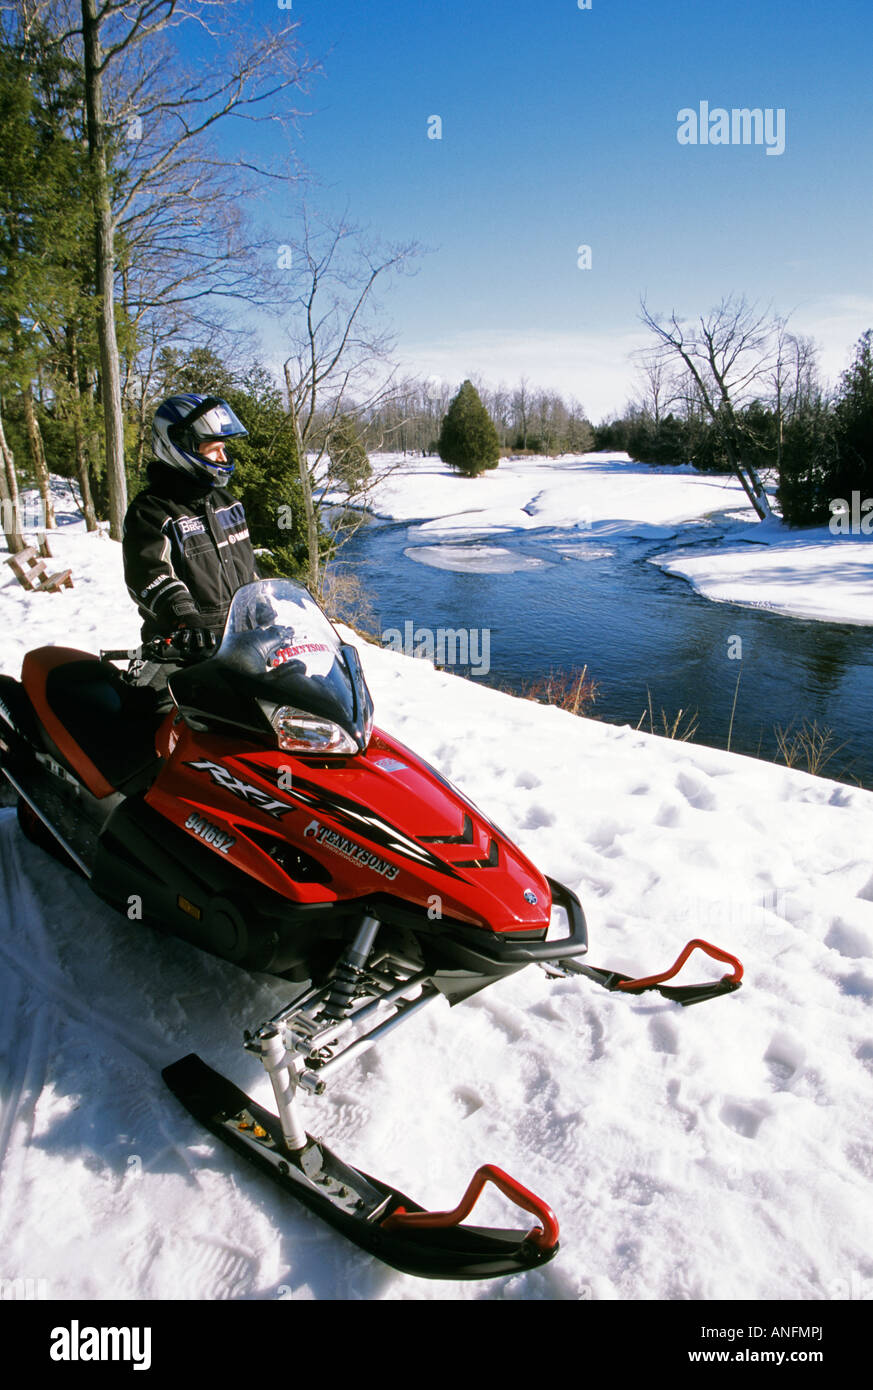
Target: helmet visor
(209, 421)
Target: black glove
(193, 635)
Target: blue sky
(559, 129)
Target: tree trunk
(9, 497)
(37, 456)
(306, 485)
(79, 432)
(110, 376)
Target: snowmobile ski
(377, 1217)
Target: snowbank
(804, 574)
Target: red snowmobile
(266, 820)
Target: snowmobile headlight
(300, 732)
(560, 926)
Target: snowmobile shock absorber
(350, 969)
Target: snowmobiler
(266, 819)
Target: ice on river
(479, 559)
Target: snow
(807, 574)
(605, 494)
(718, 1152)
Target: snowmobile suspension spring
(350, 969)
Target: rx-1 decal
(246, 791)
(359, 854)
(212, 834)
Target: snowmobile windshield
(281, 669)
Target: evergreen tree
(810, 460)
(854, 424)
(266, 477)
(468, 440)
(45, 240)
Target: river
(566, 603)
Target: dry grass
(574, 691)
(808, 747)
(682, 728)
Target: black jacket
(186, 550)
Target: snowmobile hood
(432, 846)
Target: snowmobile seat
(104, 728)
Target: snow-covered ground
(808, 573)
(722, 1151)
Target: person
(186, 545)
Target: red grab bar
(544, 1237)
(715, 951)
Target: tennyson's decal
(359, 854)
(246, 791)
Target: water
(638, 630)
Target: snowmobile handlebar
(160, 649)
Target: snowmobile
(265, 819)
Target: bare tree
(521, 406)
(339, 363)
(136, 84)
(728, 356)
(657, 391)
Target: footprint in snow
(217, 1270)
(663, 1034)
(528, 780)
(850, 941)
(696, 793)
(744, 1118)
(784, 1057)
(548, 1012)
(857, 985)
(867, 891)
(469, 1100)
(538, 817)
(865, 1052)
(861, 1158)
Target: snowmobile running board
(377, 1217)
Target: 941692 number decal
(212, 834)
